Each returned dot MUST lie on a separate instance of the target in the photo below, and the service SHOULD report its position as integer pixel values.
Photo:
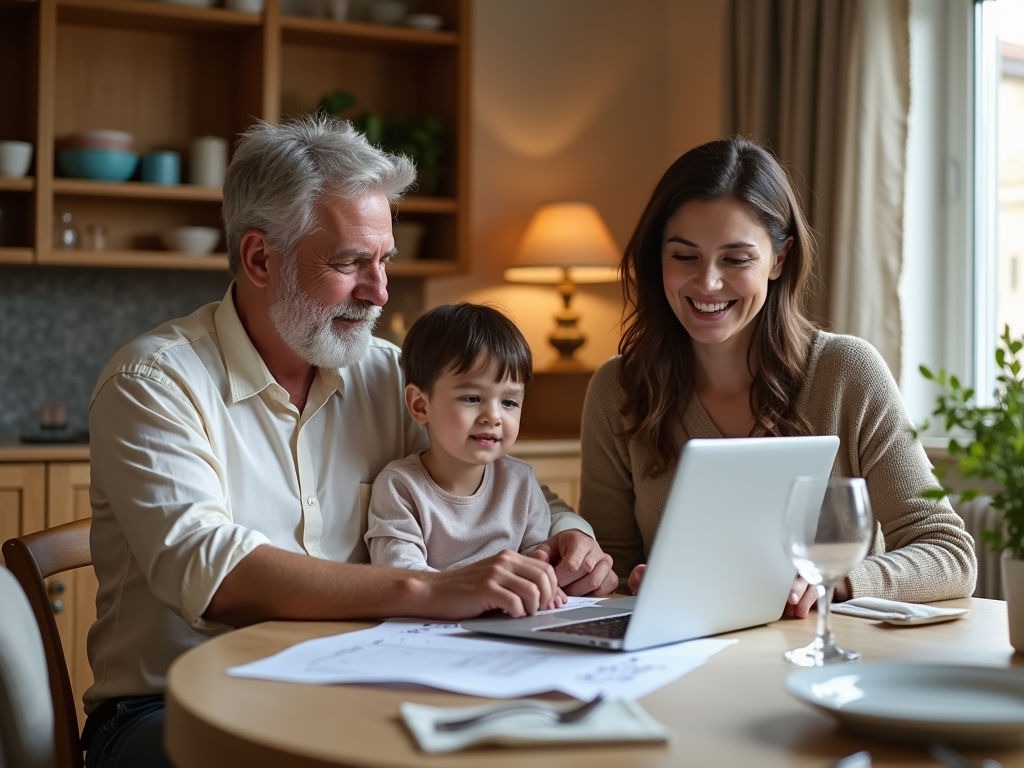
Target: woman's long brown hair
(658, 365)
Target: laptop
(717, 563)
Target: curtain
(825, 84)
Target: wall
(579, 99)
(59, 327)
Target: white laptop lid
(717, 563)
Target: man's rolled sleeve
(153, 462)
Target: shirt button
(311, 501)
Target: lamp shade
(565, 236)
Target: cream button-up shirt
(198, 457)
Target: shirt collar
(248, 375)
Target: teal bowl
(97, 164)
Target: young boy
(462, 500)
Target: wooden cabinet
(168, 72)
(41, 495)
(22, 500)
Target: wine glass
(826, 532)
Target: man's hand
(508, 581)
(581, 567)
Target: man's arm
(270, 583)
(582, 568)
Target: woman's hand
(802, 597)
(636, 577)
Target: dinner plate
(918, 701)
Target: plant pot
(1013, 589)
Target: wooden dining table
(732, 711)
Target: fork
(573, 715)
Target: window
(963, 275)
(999, 115)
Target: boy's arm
(538, 520)
(394, 536)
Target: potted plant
(994, 451)
(422, 138)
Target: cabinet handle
(57, 588)
(58, 606)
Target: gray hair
(280, 174)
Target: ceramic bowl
(246, 6)
(97, 164)
(15, 158)
(195, 241)
(100, 138)
(430, 22)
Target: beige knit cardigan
(920, 550)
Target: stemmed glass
(826, 532)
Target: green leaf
(935, 494)
(969, 495)
(926, 372)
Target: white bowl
(246, 6)
(194, 241)
(15, 158)
(430, 22)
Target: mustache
(357, 310)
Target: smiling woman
(717, 344)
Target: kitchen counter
(13, 450)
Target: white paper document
(447, 657)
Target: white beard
(309, 329)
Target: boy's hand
(581, 566)
(508, 581)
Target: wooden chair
(31, 559)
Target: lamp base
(567, 338)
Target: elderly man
(233, 450)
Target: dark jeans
(126, 733)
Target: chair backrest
(31, 559)
(26, 709)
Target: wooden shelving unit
(168, 73)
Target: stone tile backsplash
(60, 326)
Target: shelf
(16, 255)
(137, 189)
(313, 31)
(26, 184)
(162, 16)
(135, 260)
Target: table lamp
(565, 244)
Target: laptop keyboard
(613, 628)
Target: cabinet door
(73, 593)
(22, 500)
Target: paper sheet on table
(447, 657)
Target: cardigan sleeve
(921, 550)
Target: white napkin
(895, 612)
(611, 721)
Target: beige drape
(826, 85)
